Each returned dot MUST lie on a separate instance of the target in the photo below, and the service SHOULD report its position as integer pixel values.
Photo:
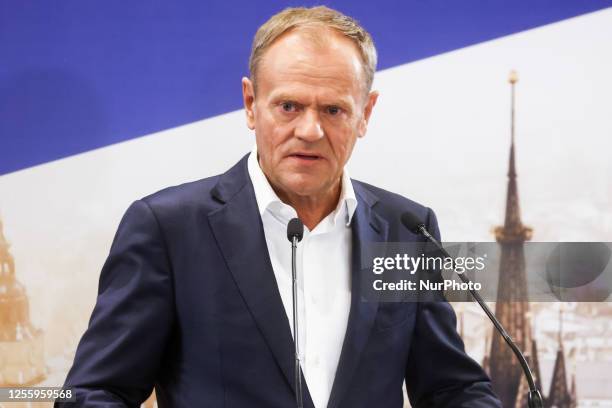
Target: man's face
(308, 111)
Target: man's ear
(367, 111)
(248, 98)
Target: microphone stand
(534, 398)
(298, 377)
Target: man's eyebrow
(343, 103)
(283, 96)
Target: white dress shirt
(324, 278)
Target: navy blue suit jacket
(188, 304)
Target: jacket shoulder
(183, 197)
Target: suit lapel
(239, 233)
(367, 227)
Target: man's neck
(310, 209)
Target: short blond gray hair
(320, 16)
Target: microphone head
(295, 228)
(412, 222)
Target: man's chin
(305, 186)
(303, 190)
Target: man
(195, 296)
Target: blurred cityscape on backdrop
(569, 345)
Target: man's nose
(309, 126)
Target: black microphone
(534, 398)
(295, 229)
(295, 233)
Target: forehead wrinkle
(315, 68)
(328, 90)
(319, 81)
(316, 81)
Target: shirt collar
(267, 198)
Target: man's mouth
(305, 156)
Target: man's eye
(333, 110)
(288, 106)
